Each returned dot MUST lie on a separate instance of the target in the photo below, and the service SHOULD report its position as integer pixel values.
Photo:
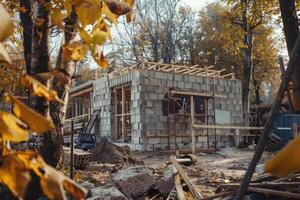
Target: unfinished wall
(156, 123)
(148, 93)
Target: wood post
(72, 151)
(192, 124)
(123, 116)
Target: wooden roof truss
(190, 70)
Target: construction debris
(134, 182)
(106, 152)
(166, 183)
(81, 158)
(106, 192)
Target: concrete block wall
(102, 101)
(156, 123)
(147, 98)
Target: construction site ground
(212, 169)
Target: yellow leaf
(11, 128)
(15, 175)
(29, 116)
(4, 58)
(99, 37)
(57, 16)
(118, 7)
(59, 74)
(39, 89)
(74, 51)
(89, 12)
(286, 161)
(6, 27)
(107, 12)
(68, 7)
(22, 9)
(85, 36)
(39, 22)
(100, 60)
(101, 25)
(130, 2)
(53, 184)
(130, 17)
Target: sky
(196, 4)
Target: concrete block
(134, 181)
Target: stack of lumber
(81, 158)
(269, 186)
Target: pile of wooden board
(268, 186)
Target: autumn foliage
(94, 19)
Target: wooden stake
(186, 179)
(192, 124)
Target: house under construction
(161, 106)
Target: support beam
(123, 116)
(192, 124)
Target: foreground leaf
(6, 27)
(39, 89)
(286, 161)
(118, 7)
(15, 175)
(57, 17)
(11, 128)
(35, 121)
(75, 51)
(101, 60)
(54, 183)
(89, 12)
(108, 13)
(57, 73)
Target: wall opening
(121, 107)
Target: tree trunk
(291, 30)
(247, 64)
(53, 142)
(26, 22)
(257, 93)
(39, 63)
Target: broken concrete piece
(87, 185)
(107, 192)
(166, 183)
(134, 181)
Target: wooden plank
(186, 179)
(264, 184)
(275, 192)
(228, 127)
(178, 186)
(123, 116)
(192, 124)
(201, 94)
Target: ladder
(91, 122)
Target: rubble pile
(106, 152)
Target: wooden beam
(192, 124)
(178, 186)
(123, 116)
(275, 192)
(228, 127)
(226, 75)
(197, 94)
(186, 179)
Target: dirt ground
(226, 166)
